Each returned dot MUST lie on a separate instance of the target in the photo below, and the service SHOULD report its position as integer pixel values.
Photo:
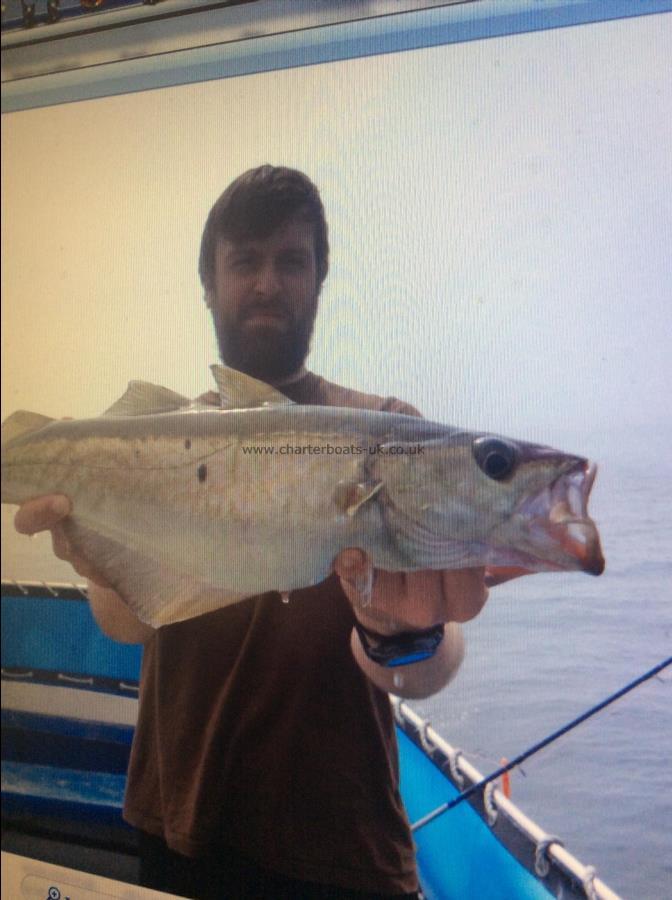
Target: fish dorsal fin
(240, 391)
(144, 399)
(22, 422)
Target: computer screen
(499, 214)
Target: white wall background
(500, 219)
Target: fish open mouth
(559, 513)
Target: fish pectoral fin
(22, 422)
(142, 398)
(152, 591)
(349, 496)
(240, 391)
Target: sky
(500, 218)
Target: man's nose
(267, 281)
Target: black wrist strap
(400, 649)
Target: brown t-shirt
(257, 730)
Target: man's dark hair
(254, 205)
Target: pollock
(185, 508)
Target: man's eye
(243, 262)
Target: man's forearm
(416, 680)
(114, 618)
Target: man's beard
(264, 352)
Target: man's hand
(116, 620)
(48, 513)
(390, 602)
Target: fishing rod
(479, 785)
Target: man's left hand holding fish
(389, 604)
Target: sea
(545, 649)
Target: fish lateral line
(98, 468)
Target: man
(264, 762)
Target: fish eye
(495, 458)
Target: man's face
(264, 301)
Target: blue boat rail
(539, 852)
(69, 708)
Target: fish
(185, 508)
